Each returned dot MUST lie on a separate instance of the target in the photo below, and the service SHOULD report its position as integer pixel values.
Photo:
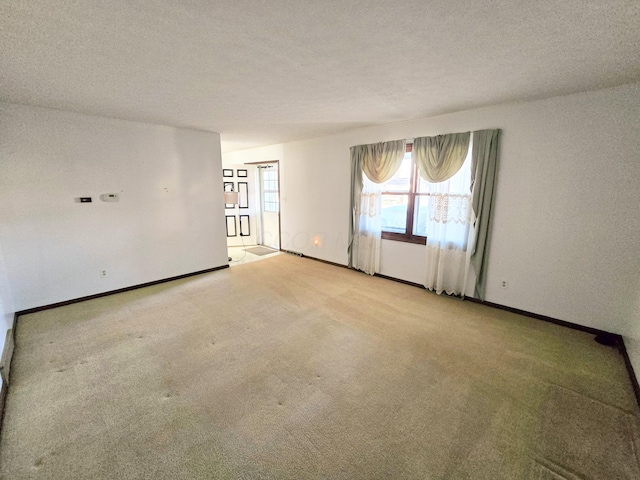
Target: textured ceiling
(263, 72)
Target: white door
(242, 217)
(270, 205)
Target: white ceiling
(264, 72)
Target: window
(270, 190)
(409, 201)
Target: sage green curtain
(483, 178)
(439, 158)
(379, 161)
(356, 190)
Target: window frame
(408, 236)
(275, 203)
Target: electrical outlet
(504, 284)
(103, 273)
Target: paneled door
(269, 205)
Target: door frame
(277, 162)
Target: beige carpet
(289, 368)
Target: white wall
(565, 231)
(6, 304)
(254, 155)
(169, 220)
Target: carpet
(260, 250)
(288, 368)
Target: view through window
(270, 190)
(409, 202)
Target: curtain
(367, 241)
(379, 162)
(439, 158)
(448, 204)
(483, 173)
(354, 210)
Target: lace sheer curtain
(379, 162)
(367, 241)
(445, 170)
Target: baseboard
(398, 280)
(563, 323)
(16, 315)
(594, 331)
(537, 316)
(617, 339)
(630, 370)
(544, 318)
(284, 250)
(556, 321)
(3, 398)
(325, 261)
(7, 358)
(298, 254)
(113, 292)
(575, 326)
(7, 355)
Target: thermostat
(110, 197)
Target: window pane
(394, 213)
(401, 181)
(423, 185)
(421, 215)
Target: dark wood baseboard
(544, 318)
(575, 326)
(3, 398)
(630, 370)
(594, 331)
(5, 385)
(113, 292)
(563, 323)
(291, 252)
(398, 280)
(325, 261)
(301, 255)
(618, 341)
(16, 315)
